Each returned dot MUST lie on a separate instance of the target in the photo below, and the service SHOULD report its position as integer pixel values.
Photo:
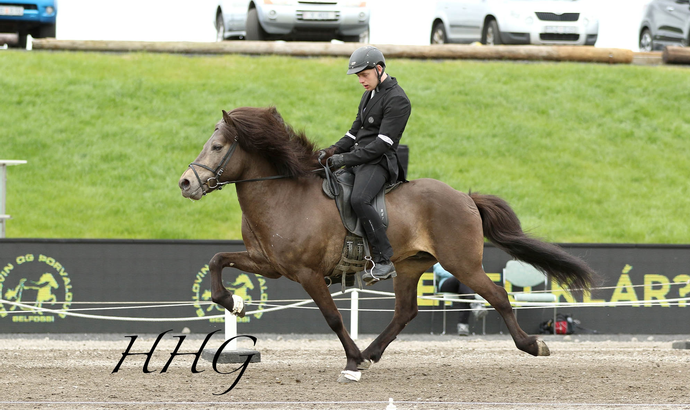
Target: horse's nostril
(184, 184)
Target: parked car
(24, 17)
(665, 23)
(293, 20)
(514, 22)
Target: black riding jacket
(376, 132)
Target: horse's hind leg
(405, 287)
(497, 296)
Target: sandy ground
(300, 372)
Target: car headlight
(50, 10)
(526, 18)
(281, 2)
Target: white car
(293, 20)
(514, 22)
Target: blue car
(24, 17)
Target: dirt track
(299, 372)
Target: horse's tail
(502, 227)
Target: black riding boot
(381, 253)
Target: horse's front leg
(238, 260)
(405, 286)
(316, 287)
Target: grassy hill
(584, 153)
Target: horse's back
(424, 213)
(432, 195)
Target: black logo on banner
(196, 355)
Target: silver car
(514, 22)
(293, 20)
(665, 23)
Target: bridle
(215, 179)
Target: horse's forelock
(227, 131)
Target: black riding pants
(369, 180)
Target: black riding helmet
(366, 57)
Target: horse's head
(48, 279)
(213, 165)
(248, 142)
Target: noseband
(213, 182)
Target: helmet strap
(379, 74)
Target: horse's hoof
(238, 307)
(365, 365)
(348, 376)
(542, 348)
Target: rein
(217, 184)
(331, 179)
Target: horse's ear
(226, 118)
(274, 112)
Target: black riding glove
(337, 161)
(325, 153)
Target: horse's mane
(262, 131)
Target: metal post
(354, 314)
(4, 163)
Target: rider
(368, 149)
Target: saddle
(338, 186)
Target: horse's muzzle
(190, 189)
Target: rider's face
(369, 78)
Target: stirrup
(369, 278)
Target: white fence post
(354, 314)
(230, 330)
(4, 163)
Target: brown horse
(291, 229)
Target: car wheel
(254, 30)
(646, 42)
(361, 38)
(438, 33)
(21, 40)
(220, 27)
(364, 37)
(492, 36)
(45, 31)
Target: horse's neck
(272, 195)
(272, 201)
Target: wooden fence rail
(446, 51)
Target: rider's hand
(337, 161)
(324, 154)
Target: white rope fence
(231, 322)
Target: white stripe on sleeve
(350, 135)
(386, 139)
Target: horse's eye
(217, 147)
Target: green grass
(584, 153)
